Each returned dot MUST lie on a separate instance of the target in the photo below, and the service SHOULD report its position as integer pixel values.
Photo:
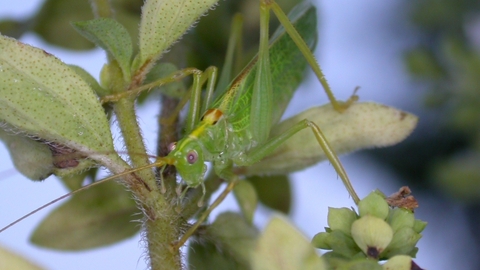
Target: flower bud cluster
(377, 232)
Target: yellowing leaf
(12, 261)
(362, 125)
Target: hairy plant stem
(160, 228)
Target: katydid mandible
(234, 130)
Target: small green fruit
(372, 235)
(399, 262)
(400, 217)
(374, 204)
(341, 219)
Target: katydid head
(189, 161)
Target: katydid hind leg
(308, 55)
(269, 146)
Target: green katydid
(234, 130)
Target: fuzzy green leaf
(165, 21)
(99, 216)
(43, 97)
(111, 36)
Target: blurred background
(419, 56)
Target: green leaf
(43, 97)
(112, 37)
(247, 199)
(273, 191)
(163, 22)
(95, 217)
(52, 23)
(226, 244)
(92, 82)
(281, 246)
(206, 256)
(362, 125)
(12, 261)
(232, 233)
(33, 159)
(13, 28)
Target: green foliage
(88, 220)
(111, 36)
(32, 158)
(273, 191)
(447, 60)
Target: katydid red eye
(192, 157)
(171, 146)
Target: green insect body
(224, 135)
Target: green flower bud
(372, 235)
(341, 219)
(320, 241)
(374, 204)
(403, 242)
(419, 225)
(342, 244)
(401, 217)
